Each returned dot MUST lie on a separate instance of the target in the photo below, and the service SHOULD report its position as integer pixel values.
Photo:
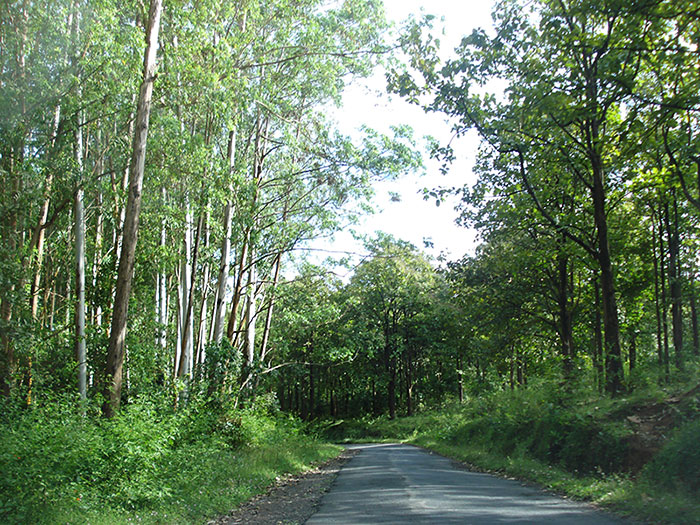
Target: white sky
(414, 219)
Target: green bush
(677, 465)
(58, 466)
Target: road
(387, 483)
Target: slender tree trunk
(251, 314)
(598, 357)
(115, 351)
(674, 278)
(694, 316)
(520, 370)
(664, 301)
(409, 384)
(260, 130)
(657, 298)
(220, 310)
(633, 351)
(231, 332)
(162, 305)
(566, 336)
(96, 307)
(188, 278)
(40, 233)
(460, 383)
(270, 307)
(202, 335)
(312, 396)
(80, 267)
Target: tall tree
(115, 352)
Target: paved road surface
(404, 484)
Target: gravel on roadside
(290, 501)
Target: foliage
(164, 466)
(676, 466)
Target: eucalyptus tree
(117, 336)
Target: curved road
(405, 484)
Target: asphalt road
(387, 483)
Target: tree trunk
(162, 303)
(80, 267)
(613, 352)
(664, 302)
(117, 336)
(270, 307)
(202, 336)
(657, 295)
(409, 384)
(220, 309)
(566, 336)
(187, 348)
(460, 384)
(312, 397)
(231, 332)
(96, 307)
(40, 233)
(598, 357)
(251, 314)
(633, 351)
(694, 317)
(675, 283)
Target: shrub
(677, 465)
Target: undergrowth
(150, 464)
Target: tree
(115, 352)
(571, 69)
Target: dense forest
(164, 165)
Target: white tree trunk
(162, 291)
(186, 324)
(202, 335)
(251, 312)
(80, 266)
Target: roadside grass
(147, 466)
(577, 446)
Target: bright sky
(414, 219)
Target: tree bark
(224, 268)
(674, 279)
(187, 279)
(566, 335)
(251, 314)
(80, 268)
(613, 352)
(694, 317)
(598, 357)
(202, 335)
(657, 295)
(664, 302)
(270, 307)
(117, 336)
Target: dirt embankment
(653, 423)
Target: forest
(165, 166)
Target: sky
(414, 219)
